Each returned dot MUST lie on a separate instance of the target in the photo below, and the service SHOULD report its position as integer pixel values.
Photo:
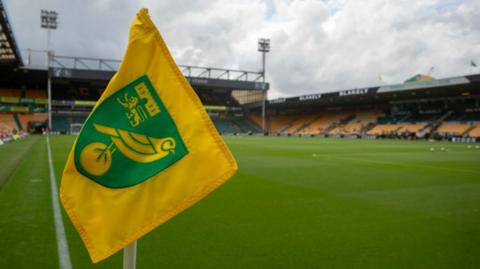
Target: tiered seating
(412, 128)
(453, 128)
(245, 126)
(234, 126)
(41, 94)
(384, 129)
(399, 128)
(26, 118)
(348, 122)
(237, 125)
(475, 132)
(256, 119)
(299, 123)
(358, 124)
(354, 127)
(225, 126)
(278, 123)
(7, 122)
(323, 122)
(10, 93)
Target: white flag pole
(130, 256)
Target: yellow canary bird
(140, 148)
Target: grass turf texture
(295, 203)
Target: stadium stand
(453, 128)
(382, 129)
(421, 107)
(7, 122)
(475, 131)
(25, 119)
(225, 126)
(32, 93)
(357, 123)
(337, 126)
(230, 126)
(322, 123)
(300, 123)
(256, 120)
(10, 93)
(18, 93)
(278, 124)
(245, 126)
(412, 128)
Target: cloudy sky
(317, 45)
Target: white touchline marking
(62, 245)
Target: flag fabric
(473, 64)
(147, 151)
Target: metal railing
(84, 63)
(220, 73)
(39, 58)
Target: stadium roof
(413, 89)
(420, 84)
(68, 68)
(9, 53)
(419, 77)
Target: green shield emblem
(129, 138)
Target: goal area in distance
(75, 128)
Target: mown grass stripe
(16, 161)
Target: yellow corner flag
(146, 152)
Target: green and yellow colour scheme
(128, 138)
(147, 152)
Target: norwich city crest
(129, 138)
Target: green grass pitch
(295, 203)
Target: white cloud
(317, 46)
